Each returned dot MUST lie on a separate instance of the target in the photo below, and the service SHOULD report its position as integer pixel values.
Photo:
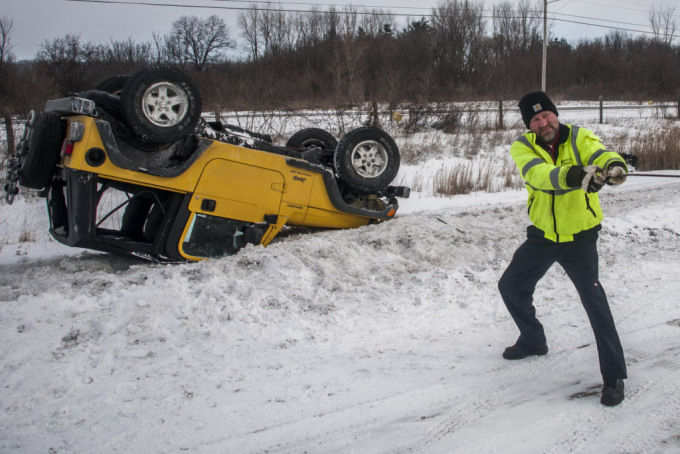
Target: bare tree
(203, 40)
(66, 50)
(273, 29)
(515, 35)
(377, 23)
(168, 49)
(458, 27)
(587, 56)
(347, 55)
(415, 53)
(331, 21)
(128, 53)
(6, 74)
(248, 22)
(518, 28)
(34, 86)
(663, 24)
(6, 28)
(66, 60)
(119, 57)
(310, 28)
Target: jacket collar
(562, 137)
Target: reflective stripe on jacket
(558, 210)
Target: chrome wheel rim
(165, 104)
(369, 159)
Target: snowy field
(381, 339)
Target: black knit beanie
(533, 103)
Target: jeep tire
(312, 137)
(41, 147)
(160, 105)
(367, 159)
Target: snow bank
(381, 339)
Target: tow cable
(652, 175)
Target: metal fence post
(500, 113)
(601, 111)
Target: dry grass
(27, 233)
(489, 175)
(656, 148)
(480, 155)
(456, 180)
(660, 151)
(12, 233)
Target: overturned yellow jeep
(132, 168)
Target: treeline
(334, 58)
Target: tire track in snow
(330, 428)
(513, 376)
(592, 434)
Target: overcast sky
(37, 20)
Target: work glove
(592, 180)
(615, 174)
(587, 178)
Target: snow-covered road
(382, 339)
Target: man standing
(563, 167)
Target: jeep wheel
(312, 137)
(160, 105)
(367, 159)
(40, 148)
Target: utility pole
(545, 44)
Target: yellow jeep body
(222, 193)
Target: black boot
(517, 352)
(612, 392)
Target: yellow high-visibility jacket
(557, 209)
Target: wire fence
(455, 116)
(612, 113)
(458, 117)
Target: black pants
(580, 261)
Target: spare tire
(367, 159)
(40, 149)
(160, 105)
(312, 137)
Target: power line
(265, 2)
(260, 2)
(602, 20)
(612, 6)
(352, 12)
(603, 26)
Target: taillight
(75, 133)
(67, 147)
